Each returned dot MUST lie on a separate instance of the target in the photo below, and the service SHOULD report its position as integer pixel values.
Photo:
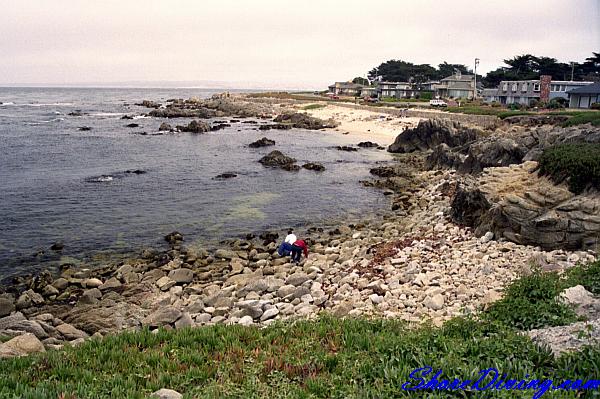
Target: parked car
(437, 103)
(371, 99)
(333, 96)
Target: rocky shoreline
(416, 263)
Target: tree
(445, 69)
(401, 71)
(523, 66)
(360, 81)
(590, 69)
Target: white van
(437, 103)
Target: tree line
(520, 67)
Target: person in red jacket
(299, 247)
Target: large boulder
(430, 133)
(305, 121)
(264, 142)
(195, 127)
(277, 159)
(20, 346)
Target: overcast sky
(278, 43)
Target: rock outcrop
(430, 133)
(263, 142)
(195, 127)
(515, 203)
(277, 159)
(304, 121)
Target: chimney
(545, 81)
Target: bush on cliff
(578, 164)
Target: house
(345, 89)
(395, 90)
(528, 92)
(559, 88)
(524, 92)
(369, 91)
(457, 86)
(584, 96)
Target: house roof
(466, 78)
(594, 88)
(347, 85)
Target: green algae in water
(250, 206)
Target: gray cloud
(281, 43)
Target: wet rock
(57, 246)
(226, 175)
(368, 144)
(84, 128)
(305, 121)
(218, 126)
(277, 159)
(263, 142)
(174, 237)
(21, 346)
(346, 148)
(195, 127)
(132, 125)
(314, 166)
(165, 127)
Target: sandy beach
(364, 124)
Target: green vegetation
(578, 164)
(313, 106)
(530, 302)
(483, 110)
(586, 275)
(326, 358)
(579, 118)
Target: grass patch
(580, 118)
(313, 106)
(578, 164)
(327, 358)
(478, 110)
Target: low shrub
(313, 106)
(595, 106)
(578, 164)
(530, 302)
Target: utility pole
(475, 92)
(572, 69)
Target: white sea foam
(104, 179)
(6, 104)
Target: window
(563, 88)
(536, 87)
(524, 87)
(515, 87)
(505, 87)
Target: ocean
(62, 184)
